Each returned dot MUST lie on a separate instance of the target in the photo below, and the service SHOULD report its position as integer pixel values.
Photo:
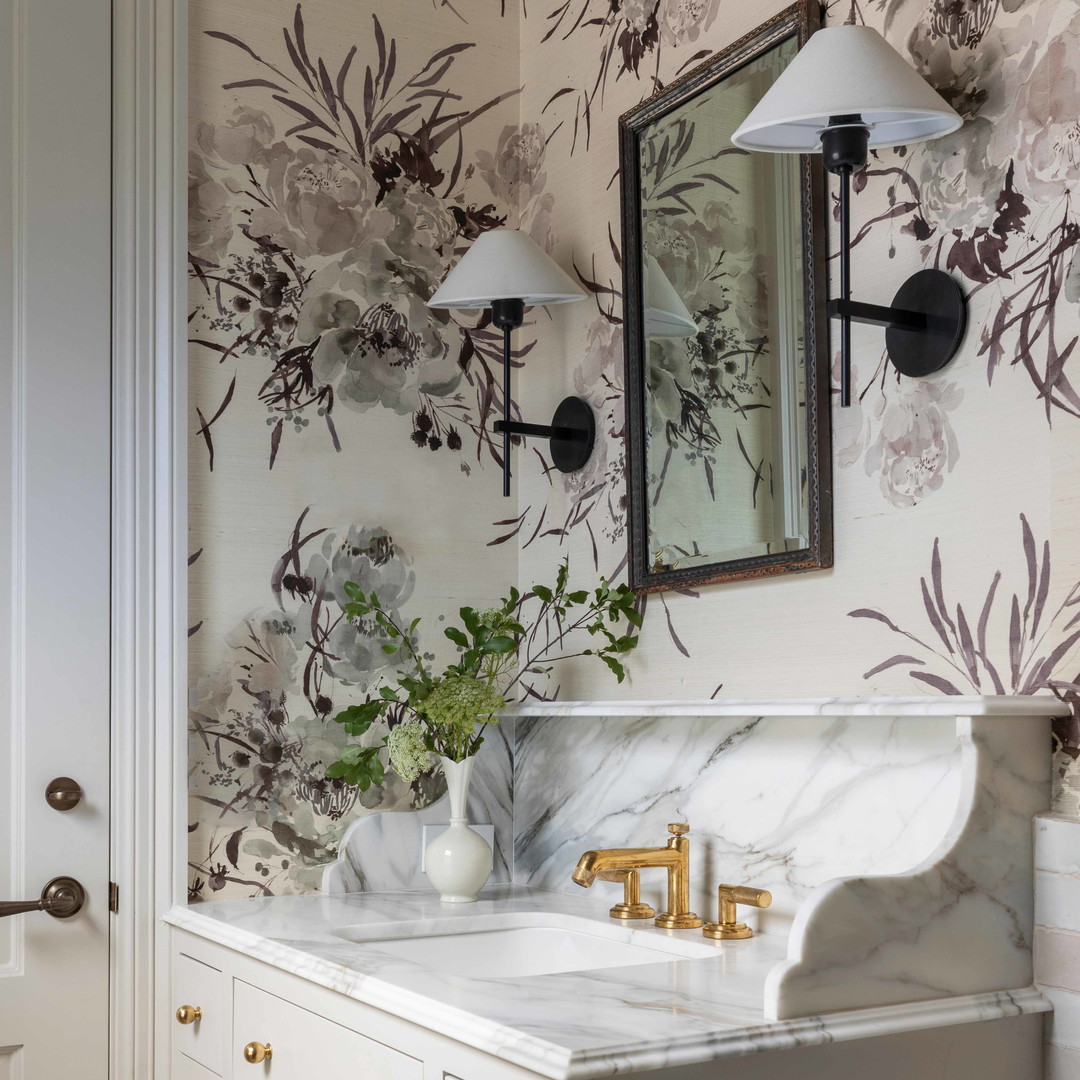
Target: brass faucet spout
(674, 857)
(594, 863)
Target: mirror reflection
(722, 323)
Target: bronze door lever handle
(61, 898)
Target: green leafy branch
(499, 648)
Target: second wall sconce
(507, 271)
(847, 90)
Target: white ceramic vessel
(459, 860)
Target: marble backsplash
(780, 802)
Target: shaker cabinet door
(274, 1038)
(199, 991)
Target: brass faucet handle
(729, 928)
(631, 907)
(680, 828)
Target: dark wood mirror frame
(799, 20)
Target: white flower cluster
(408, 753)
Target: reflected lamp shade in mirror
(846, 90)
(507, 271)
(666, 316)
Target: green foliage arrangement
(498, 649)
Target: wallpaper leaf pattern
(992, 204)
(267, 818)
(1005, 643)
(344, 156)
(318, 246)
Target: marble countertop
(656, 1015)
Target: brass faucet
(675, 858)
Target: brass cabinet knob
(729, 928)
(256, 1052)
(188, 1014)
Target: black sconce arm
(876, 315)
(541, 431)
(572, 431)
(925, 323)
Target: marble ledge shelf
(924, 705)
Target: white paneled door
(55, 155)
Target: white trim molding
(149, 517)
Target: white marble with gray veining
(657, 1015)
(784, 803)
(961, 921)
(895, 832)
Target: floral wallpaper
(949, 479)
(343, 156)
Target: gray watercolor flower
(915, 445)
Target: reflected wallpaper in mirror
(723, 362)
(726, 394)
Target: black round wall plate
(575, 413)
(916, 353)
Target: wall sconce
(507, 271)
(846, 90)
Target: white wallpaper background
(340, 429)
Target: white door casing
(55, 400)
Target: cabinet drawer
(200, 986)
(305, 1045)
(186, 1069)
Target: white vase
(458, 861)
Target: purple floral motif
(262, 719)
(989, 202)
(1021, 645)
(314, 252)
(629, 34)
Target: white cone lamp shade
(507, 271)
(505, 264)
(843, 71)
(666, 316)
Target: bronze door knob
(63, 794)
(188, 1014)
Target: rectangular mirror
(726, 342)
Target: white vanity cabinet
(312, 1032)
(305, 1031)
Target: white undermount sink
(519, 944)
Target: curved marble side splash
(958, 923)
